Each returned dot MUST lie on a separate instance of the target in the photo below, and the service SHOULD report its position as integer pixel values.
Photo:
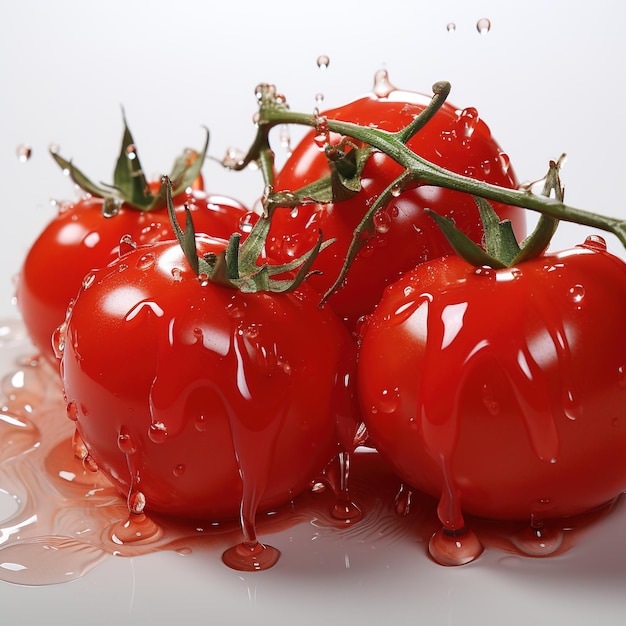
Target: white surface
(536, 79)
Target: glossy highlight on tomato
(456, 139)
(197, 400)
(80, 239)
(502, 393)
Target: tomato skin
(80, 239)
(405, 234)
(183, 374)
(502, 392)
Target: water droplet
(146, 261)
(536, 540)
(54, 148)
(125, 442)
(234, 156)
(451, 27)
(265, 92)
(382, 222)
(285, 137)
(79, 447)
(322, 134)
(71, 410)
(595, 242)
(486, 272)
(126, 244)
(483, 26)
(157, 432)
(58, 340)
(382, 86)
(136, 502)
(177, 274)
(111, 207)
(131, 152)
(468, 119)
(247, 221)
(505, 162)
(236, 308)
(89, 463)
(24, 152)
(323, 61)
(577, 294)
(389, 400)
(178, 470)
(89, 280)
(621, 376)
(454, 549)
(319, 98)
(201, 423)
(204, 279)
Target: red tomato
(455, 139)
(502, 392)
(191, 395)
(79, 239)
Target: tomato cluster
(206, 380)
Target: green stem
(425, 172)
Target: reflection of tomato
(79, 239)
(405, 235)
(191, 393)
(502, 392)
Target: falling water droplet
(382, 86)
(136, 502)
(323, 61)
(24, 152)
(483, 26)
(451, 27)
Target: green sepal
(499, 238)
(537, 242)
(501, 248)
(344, 180)
(130, 186)
(236, 266)
(463, 245)
(128, 176)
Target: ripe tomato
(79, 239)
(192, 395)
(502, 392)
(455, 139)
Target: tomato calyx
(500, 246)
(130, 186)
(236, 266)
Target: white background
(548, 78)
